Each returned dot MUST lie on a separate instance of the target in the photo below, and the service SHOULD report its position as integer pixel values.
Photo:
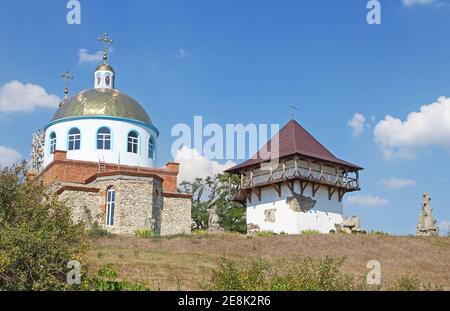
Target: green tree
(219, 190)
(37, 235)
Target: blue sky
(246, 62)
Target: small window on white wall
(74, 139)
(151, 148)
(110, 206)
(133, 142)
(104, 139)
(52, 143)
(108, 80)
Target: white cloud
(181, 53)
(85, 57)
(357, 123)
(428, 127)
(366, 200)
(394, 183)
(16, 96)
(193, 165)
(8, 156)
(419, 2)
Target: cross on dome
(67, 76)
(106, 40)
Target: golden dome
(102, 102)
(107, 67)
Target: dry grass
(183, 262)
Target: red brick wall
(65, 170)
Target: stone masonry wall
(176, 215)
(134, 202)
(141, 203)
(86, 207)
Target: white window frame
(152, 148)
(103, 138)
(73, 139)
(110, 206)
(53, 143)
(133, 142)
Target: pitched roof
(294, 140)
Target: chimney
(173, 167)
(60, 155)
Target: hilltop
(182, 262)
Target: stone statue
(300, 203)
(427, 224)
(213, 220)
(349, 225)
(37, 151)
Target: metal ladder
(101, 164)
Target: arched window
(52, 143)
(151, 148)
(110, 206)
(74, 139)
(133, 142)
(104, 139)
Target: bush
(98, 232)
(200, 232)
(310, 232)
(38, 237)
(144, 233)
(413, 283)
(106, 280)
(306, 275)
(374, 232)
(264, 234)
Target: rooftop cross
(67, 76)
(294, 110)
(106, 40)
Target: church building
(301, 190)
(98, 155)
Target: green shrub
(98, 232)
(310, 232)
(374, 232)
(306, 275)
(221, 188)
(144, 233)
(106, 280)
(264, 234)
(413, 283)
(200, 232)
(38, 237)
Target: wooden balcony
(342, 181)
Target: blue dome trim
(133, 121)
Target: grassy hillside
(183, 262)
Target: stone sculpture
(427, 224)
(213, 219)
(349, 225)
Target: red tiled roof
(294, 140)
